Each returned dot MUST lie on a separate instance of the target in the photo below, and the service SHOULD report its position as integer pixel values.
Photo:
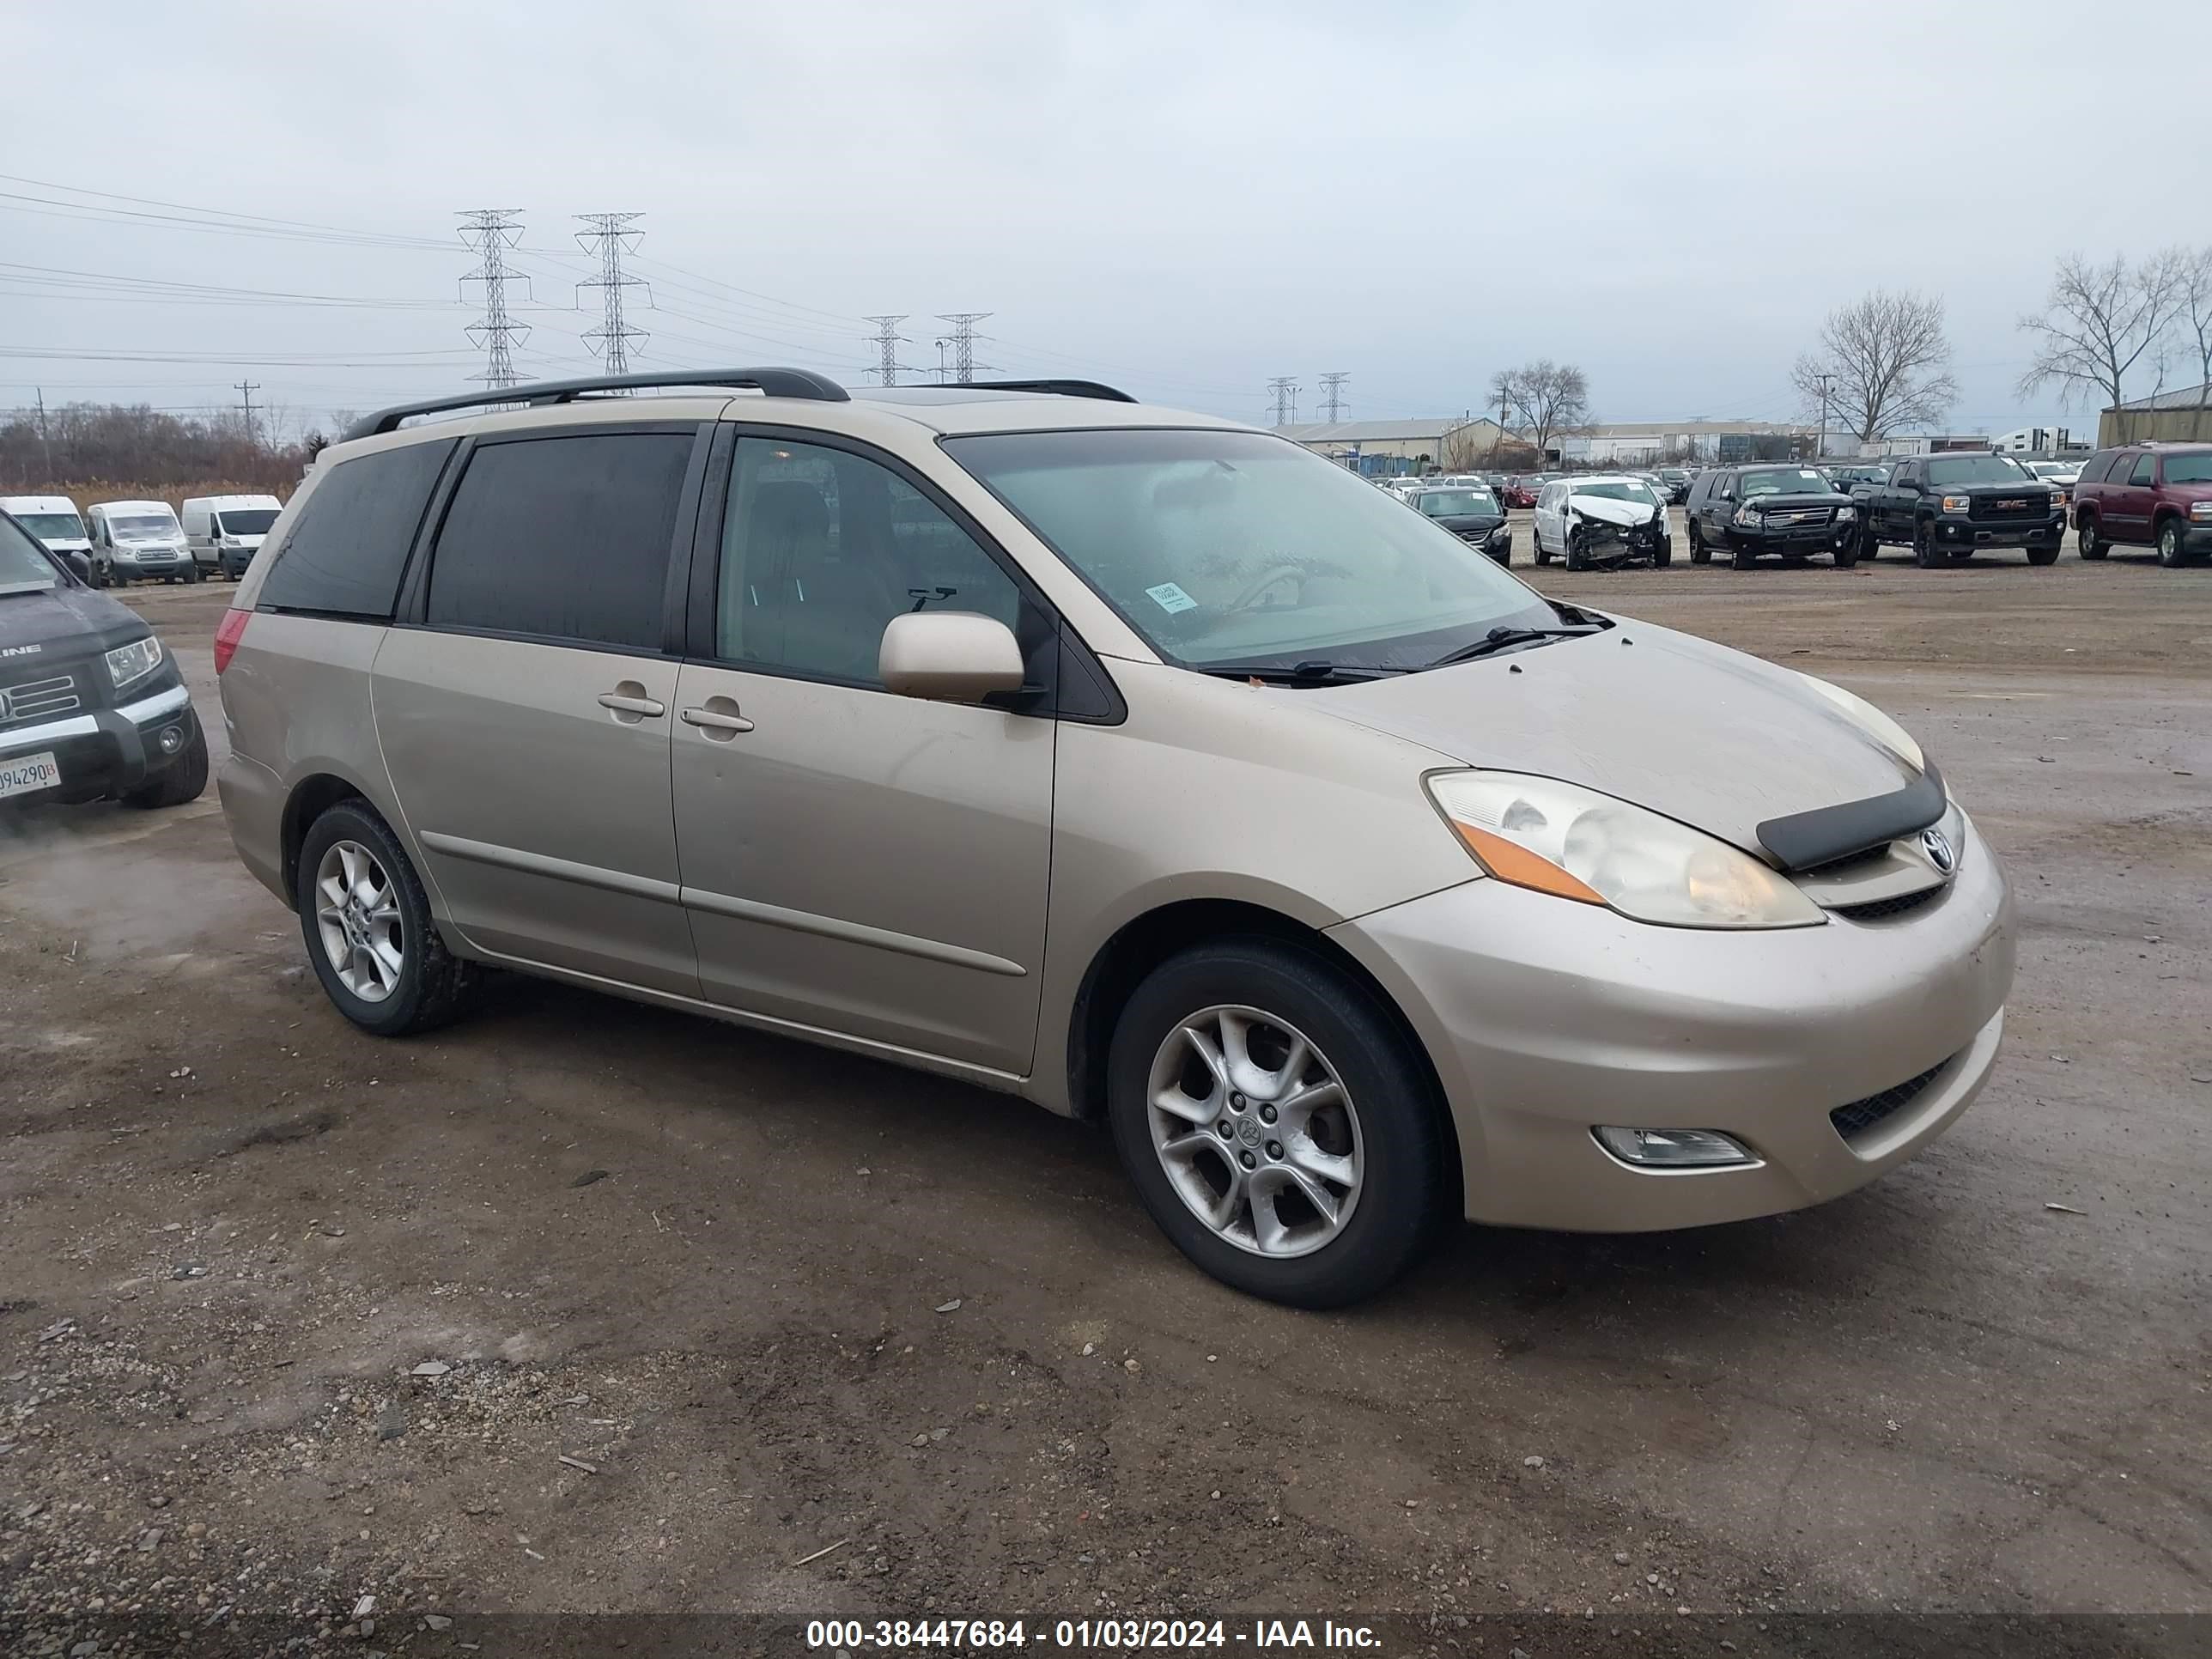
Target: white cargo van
(225, 531)
(138, 541)
(53, 519)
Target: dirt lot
(765, 1300)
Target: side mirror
(948, 656)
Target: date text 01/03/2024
(1079, 1634)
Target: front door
(852, 860)
(525, 714)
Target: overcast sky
(1184, 199)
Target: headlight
(2058, 499)
(1500, 532)
(1749, 516)
(1957, 504)
(1574, 843)
(127, 664)
(2200, 510)
(1872, 721)
(1845, 515)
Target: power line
(1332, 392)
(963, 342)
(492, 231)
(1285, 388)
(888, 341)
(613, 335)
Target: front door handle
(629, 703)
(718, 718)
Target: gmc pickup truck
(1948, 507)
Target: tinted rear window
(346, 549)
(562, 537)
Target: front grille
(1855, 1119)
(39, 699)
(1876, 909)
(1815, 515)
(1986, 507)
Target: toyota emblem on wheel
(1938, 846)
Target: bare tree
(1881, 366)
(2193, 322)
(2098, 324)
(1542, 399)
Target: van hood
(1623, 513)
(1710, 736)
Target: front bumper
(1794, 541)
(144, 565)
(2196, 538)
(1546, 1018)
(108, 751)
(1953, 530)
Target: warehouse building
(1389, 449)
(2183, 416)
(1647, 443)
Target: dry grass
(85, 492)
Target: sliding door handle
(720, 724)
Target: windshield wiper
(1317, 671)
(1497, 639)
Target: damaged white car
(1600, 522)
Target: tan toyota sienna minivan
(1138, 763)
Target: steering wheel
(1266, 580)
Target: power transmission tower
(1332, 392)
(963, 342)
(888, 340)
(245, 390)
(613, 338)
(1285, 388)
(491, 232)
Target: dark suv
(2151, 495)
(1773, 508)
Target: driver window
(821, 548)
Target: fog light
(1672, 1149)
(171, 740)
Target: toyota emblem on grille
(1938, 846)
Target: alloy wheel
(1256, 1132)
(357, 914)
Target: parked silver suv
(1137, 762)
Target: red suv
(2150, 495)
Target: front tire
(1276, 1124)
(2169, 545)
(1924, 553)
(368, 927)
(1742, 559)
(1577, 549)
(2043, 555)
(2088, 542)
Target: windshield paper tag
(1172, 598)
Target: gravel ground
(583, 1307)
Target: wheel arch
(310, 798)
(1143, 942)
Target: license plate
(21, 777)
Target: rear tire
(430, 985)
(185, 779)
(1400, 1146)
(1699, 553)
(1536, 542)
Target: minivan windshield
(246, 520)
(1975, 468)
(1456, 503)
(53, 526)
(142, 526)
(1234, 548)
(25, 566)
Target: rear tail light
(227, 634)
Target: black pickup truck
(1948, 507)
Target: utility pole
(245, 390)
(46, 449)
(614, 337)
(1285, 388)
(888, 340)
(963, 342)
(1332, 392)
(1820, 449)
(491, 232)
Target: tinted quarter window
(562, 537)
(345, 550)
(821, 547)
(2095, 469)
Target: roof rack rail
(772, 382)
(1055, 388)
